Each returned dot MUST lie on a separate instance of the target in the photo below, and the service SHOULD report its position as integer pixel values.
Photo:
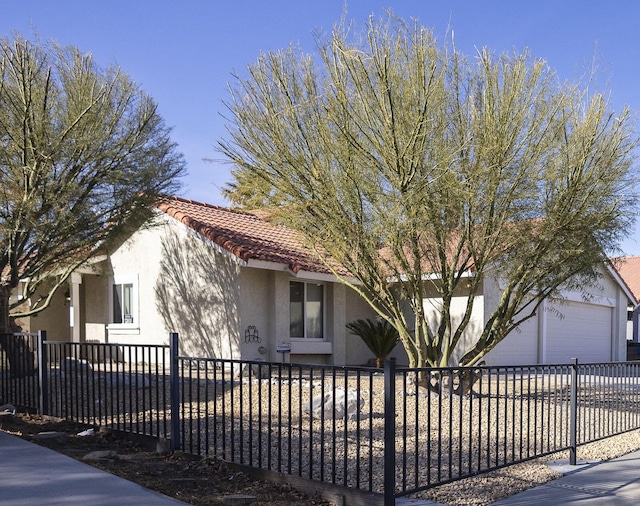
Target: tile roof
(246, 235)
(629, 270)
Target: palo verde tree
(83, 155)
(427, 173)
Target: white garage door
(583, 332)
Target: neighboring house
(629, 270)
(234, 285)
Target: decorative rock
(7, 409)
(238, 499)
(345, 405)
(258, 371)
(420, 389)
(75, 366)
(100, 455)
(58, 436)
(115, 379)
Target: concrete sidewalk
(31, 474)
(612, 483)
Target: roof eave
(297, 273)
(618, 279)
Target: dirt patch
(194, 480)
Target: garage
(581, 331)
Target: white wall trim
(311, 347)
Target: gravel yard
(264, 422)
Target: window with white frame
(306, 310)
(124, 304)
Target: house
(229, 282)
(235, 285)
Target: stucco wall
(184, 285)
(556, 331)
(55, 319)
(331, 350)
(432, 305)
(357, 352)
(458, 309)
(256, 289)
(264, 303)
(136, 261)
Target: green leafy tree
(83, 155)
(428, 175)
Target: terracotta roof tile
(629, 270)
(246, 235)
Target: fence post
(573, 427)
(174, 392)
(43, 374)
(389, 432)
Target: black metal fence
(18, 365)
(121, 386)
(391, 433)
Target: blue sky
(182, 52)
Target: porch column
(74, 307)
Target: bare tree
(83, 155)
(428, 174)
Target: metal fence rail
(18, 365)
(393, 433)
(434, 427)
(125, 387)
(607, 400)
(508, 415)
(286, 418)
(121, 386)
(454, 423)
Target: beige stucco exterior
(219, 305)
(224, 307)
(591, 327)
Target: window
(123, 303)
(306, 310)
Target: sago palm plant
(380, 337)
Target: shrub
(380, 337)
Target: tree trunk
(19, 357)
